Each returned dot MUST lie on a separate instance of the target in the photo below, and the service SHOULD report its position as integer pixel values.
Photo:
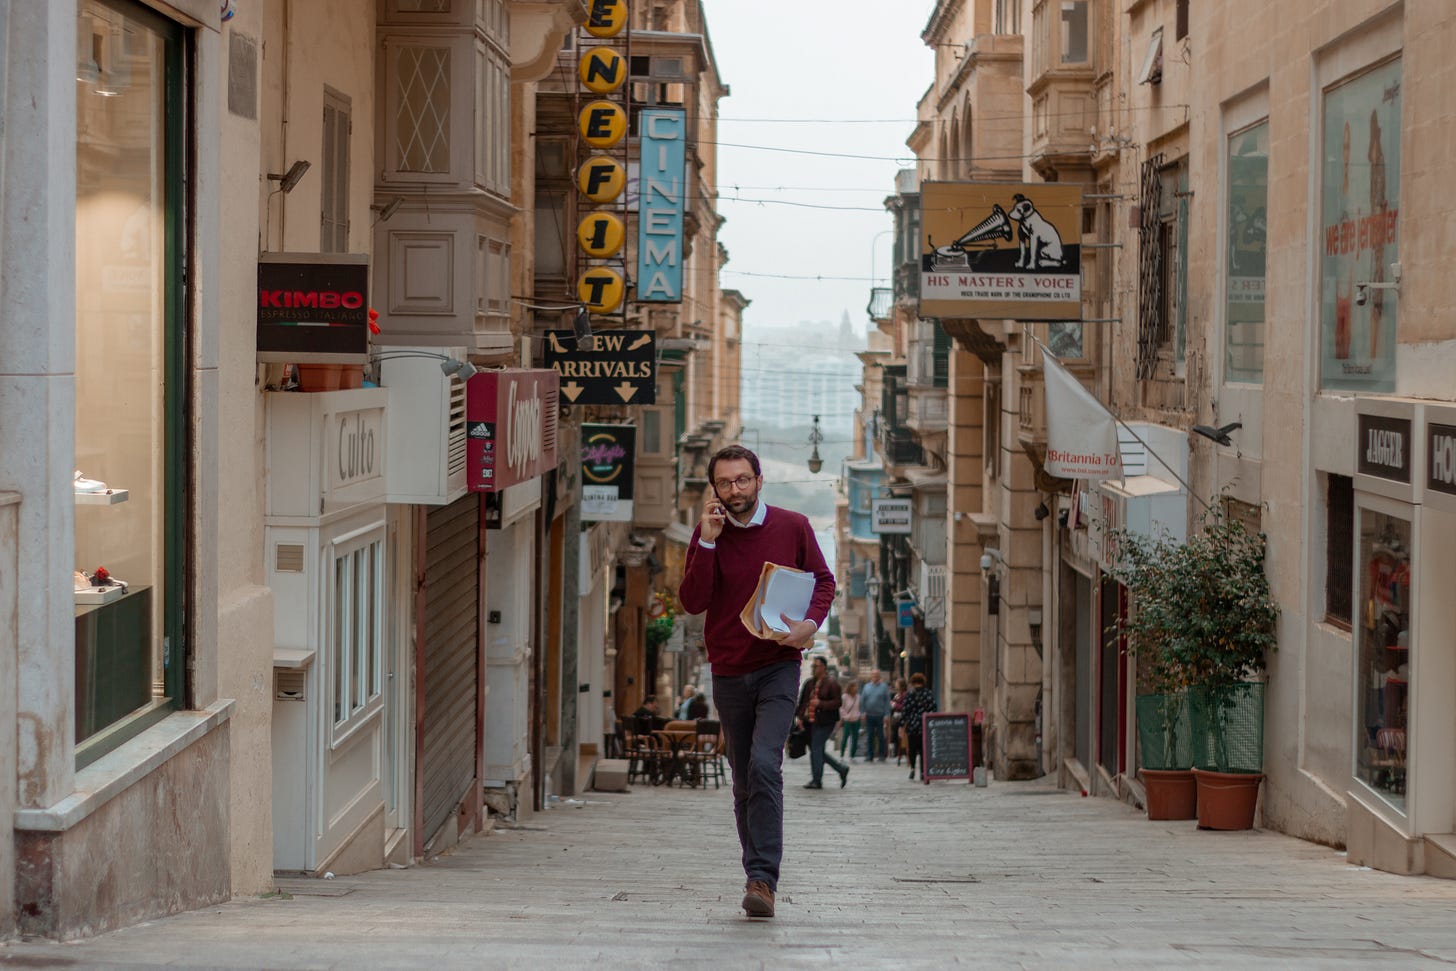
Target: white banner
(1081, 432)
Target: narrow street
(882, 874)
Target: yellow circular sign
(600, 288)
(600, 234)
(602, 123)
(606, 18)
(601, 179)
(602, 70)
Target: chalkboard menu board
(947, 746)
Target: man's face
(875, 677)
(740, 500)
(820, 668)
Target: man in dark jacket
(819, 709)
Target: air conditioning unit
(426, 425)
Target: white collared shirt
(756, 519)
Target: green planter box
(1165, 735)
(1228, 728)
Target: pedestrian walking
(875, 703)
(918, 702)
(897, 719)
(820, 712)
(753, 678)
(850, 719)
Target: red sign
(510, 427)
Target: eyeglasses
(740, 483)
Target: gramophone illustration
(1039, 243)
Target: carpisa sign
(510, 428)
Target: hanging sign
(600, 234)
(1383, 447)
(601, 178)
(663, 142)
(890, 516)
(602, 123)
(619, 369)
(1001, 250)
(313, 308)
(606, 18)
(602, 70)
(607, 453)
(1082, 438)
(1441, 458)
(601, 289)
(510, 427)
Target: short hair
(819, 659)
(729, 453)
(650, 700)
(917, 680)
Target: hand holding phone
(711, 524)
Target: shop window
(356, 638)
(335, 179)
(130, 385)
(1359, 239)
(1180, 20)
(1248, 200)
(1339, 549)
(1383, 658)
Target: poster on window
(1360, 210)
(1248, 202)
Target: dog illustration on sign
(1039, 243)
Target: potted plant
(1164, 743)
(1208, 602)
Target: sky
(812, 77)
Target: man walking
(820, 713)
(754, 679)
(874, 701)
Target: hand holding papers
(783, 591)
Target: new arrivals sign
(1001, 250)
(606, 472)
(313, 308)
(661, 206)
(510, 427)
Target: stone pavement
(883, 874)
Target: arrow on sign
(572, 390)
(626, 390)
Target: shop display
(1384, 656)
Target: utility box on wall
(426, 425)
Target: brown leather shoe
(758, 901)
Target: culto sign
(1383, 447)
(354, 447)
(510, 427)
(1441, 458)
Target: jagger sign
(510, 427)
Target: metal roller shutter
(452, 588)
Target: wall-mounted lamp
(1042, 511)
(388, 209)
(581, 324)
(289, 179)
(1219, 434)
(463, 370)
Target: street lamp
(815, 437)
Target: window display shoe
(83, 484)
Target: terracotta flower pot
(1226, 800)
(330, 377)
(1172, 793)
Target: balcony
(1062, 89)
(882, 304)
(899, 448)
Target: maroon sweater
(722, 580)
